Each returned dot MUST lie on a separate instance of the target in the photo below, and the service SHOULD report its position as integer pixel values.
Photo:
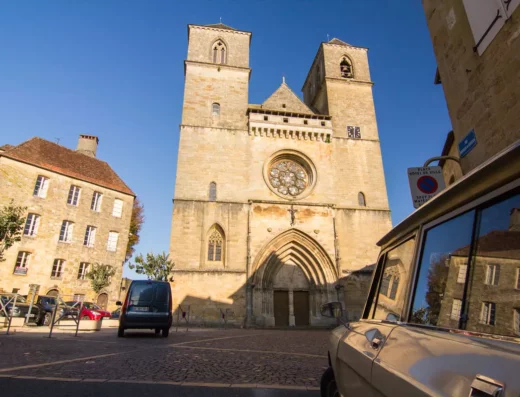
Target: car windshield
(48, 300)
(91, 306)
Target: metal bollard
(11, 316)
(53, 320)
(79, 318)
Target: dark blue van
(148, 304)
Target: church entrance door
(301, 308)
(281, 308)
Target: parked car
(20, 309)
(90, 311)
(116, 314)
(148, 304)
(46, 305)
(442, 317)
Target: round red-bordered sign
(427, 184)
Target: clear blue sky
(115, 69)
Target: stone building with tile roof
(78, 213)
(275, 202)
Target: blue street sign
(467, 143)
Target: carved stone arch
(303, 250)
(345, 58)
(211, 51)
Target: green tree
(136, 222)
(155, 267)
(11, 226)
(100, 276)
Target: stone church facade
(274, 203)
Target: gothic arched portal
(295, 264)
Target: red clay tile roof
(496, 244)
(53, 157)
(6, 147)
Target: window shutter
(44, 188)
(497, 275)
(481, 16)
(118, 208)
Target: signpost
(425, 182)
(467, 143)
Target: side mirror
(118, 303)
(331, 309)
(392, 317)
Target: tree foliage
(100, 276)
(11, 226)
(437, 277)
(136, 223)
(155, 267)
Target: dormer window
(219, 52)
(346, 68)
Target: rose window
(288, 178)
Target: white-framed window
(487, 314)
(461, 277)
(90, 236)
(492, 274)
(516, 321)
(67, 227)
(95, 205)
(79, 298)
(486, 18)
(456, 308)
(112, 241)
(41, 186)
(31, 225)
(118, 208)
(74, 193)
(22, 262)
(215, 109)
(83, 270)
(57, 268)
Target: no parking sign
(425, 182)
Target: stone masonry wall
(481, 90)
(17, 181)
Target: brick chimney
(87, 144)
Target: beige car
(442, 317)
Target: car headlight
(95, 313)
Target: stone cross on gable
(293, 212)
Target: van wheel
(121, 332)
(157, 331)
(328, 385)
(165, 332)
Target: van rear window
(161, 293)
(141, 294)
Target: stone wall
(17, 183)
(481, 90)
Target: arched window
(361, 199)
(215, 109)
(212, 191)
(345, 68)
(216, 244)
(219, 52)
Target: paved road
(32, 387)
(198, 362)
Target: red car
(90, 311)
